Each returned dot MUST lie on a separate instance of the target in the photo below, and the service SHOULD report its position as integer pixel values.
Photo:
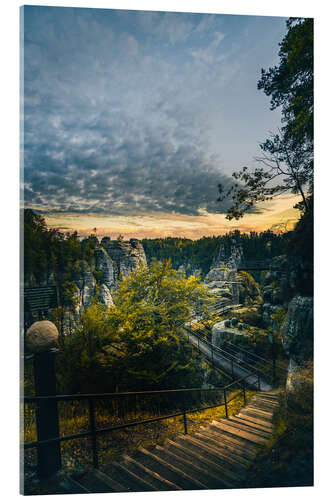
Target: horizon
(133, 118)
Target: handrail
(93, 432)
(218, 349)
(64, 397)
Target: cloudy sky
(132, 119)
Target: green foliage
(199, 254)
(69, 297)
(279, 317)
(290, 84)
(49, 250)
(80, 362)
(138, 344)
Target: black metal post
(244, 393)
(93, 429)
(49, 456)
(185, 423)
(225, 403)
(274, 360)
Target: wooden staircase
(215, 456)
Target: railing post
(244, 393)
(225, 403)
(274, 359)
(185, 422)
(41, 340)
(47, 419)
(93, 430)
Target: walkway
(227, 364)
(216, 456)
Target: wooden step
(239, 432)
(252, 425)
(133, 482)
(256, 420)
(149, 475)
(253, 412)
(232, 468)
(98, 482)
(215, 456)
(245, 446)
(199, 457)
(229, 453)
(268, 415)
(265, 399)
(262, 406)
(205, 475)
(168, 470)
(240, 425)
(71, 486)
(271, 394)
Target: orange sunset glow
(277, 215)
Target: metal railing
(171, 403)
(233, 360)
(256, 358)
(233, 355)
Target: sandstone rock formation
(297, 339)
(282, 283)
(224, 331)
(297, 330)
(125, 256)
(105, 263)
(105, 296)
(111, 260)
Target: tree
(152, 304)
(282, 159)
(290, 84)
(139, 343)
(289, 153)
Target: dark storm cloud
(115, 113)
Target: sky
(133, 118)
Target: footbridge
(238, 362)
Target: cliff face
(297, 330)
(120, 258)
(283, 282)
(297, 340)
(111, 260)
(287, 286)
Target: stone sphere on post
(42, 336)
